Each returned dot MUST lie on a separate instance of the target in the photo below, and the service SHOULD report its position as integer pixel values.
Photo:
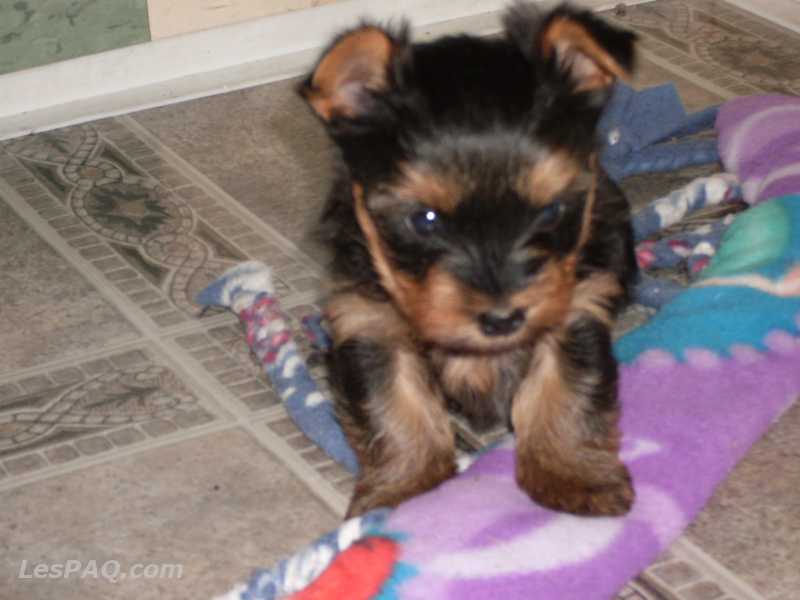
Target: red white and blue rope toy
(248, 291)
(693, 248)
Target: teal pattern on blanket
(753, 283)
(760, 241)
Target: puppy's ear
(589, 51)
(356, 68)
(593, 53)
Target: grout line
(273, 413)
(135, 316)
(693, 554)
(188, 327)
(643, 590)
(201, 383)
(294, 462)
(72, 360)
(219, 194)
(226, 318)
(255, 425)
(116, 453)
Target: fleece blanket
(759, 140)
(699, 383)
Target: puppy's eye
(550, 215)
(424, 222)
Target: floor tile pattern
(132, 215)
(90, 407)
(725, 46)
(283, 160)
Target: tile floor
(133, 427)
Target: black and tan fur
(480, 254)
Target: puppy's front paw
(570, 493)
(374, 491)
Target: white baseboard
(217, 60)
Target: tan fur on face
(548, 298)
(437, 306)
(377, 249)
(441, 307)
(352, 315)
(548, 177)
(419, 184)
(444, 311)
(588, 209)
(594, 296)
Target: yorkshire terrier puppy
(480, 253)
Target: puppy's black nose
(501, 322)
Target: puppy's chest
(481, 386)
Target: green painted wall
(38, 32)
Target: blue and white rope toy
(248, 291)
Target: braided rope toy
(694, 248)
(248, 291)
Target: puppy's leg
(565, 418)
(392, 413)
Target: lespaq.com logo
(110, 570)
